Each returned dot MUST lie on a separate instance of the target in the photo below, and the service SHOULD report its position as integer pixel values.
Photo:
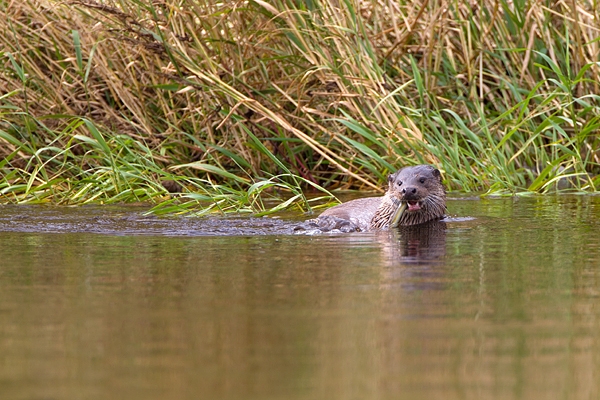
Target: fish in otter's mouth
(397, 214)
(403, 206)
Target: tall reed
(101, 101)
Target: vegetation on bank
(234, 103)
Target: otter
(415, 195)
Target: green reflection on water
(501, 306)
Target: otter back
(358, 212)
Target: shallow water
(104, 302)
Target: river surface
(502, 301)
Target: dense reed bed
(234, 103)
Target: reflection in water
(413, 256)
(420, 244)
(500, 306)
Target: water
(100, 303)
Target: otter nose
(410, 193)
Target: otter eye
(422, 180)
(399, 183)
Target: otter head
(421, 188)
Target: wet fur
(421, 183)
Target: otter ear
(390, 178)
(436, 173)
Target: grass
(252, 106)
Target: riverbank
(242, 103)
